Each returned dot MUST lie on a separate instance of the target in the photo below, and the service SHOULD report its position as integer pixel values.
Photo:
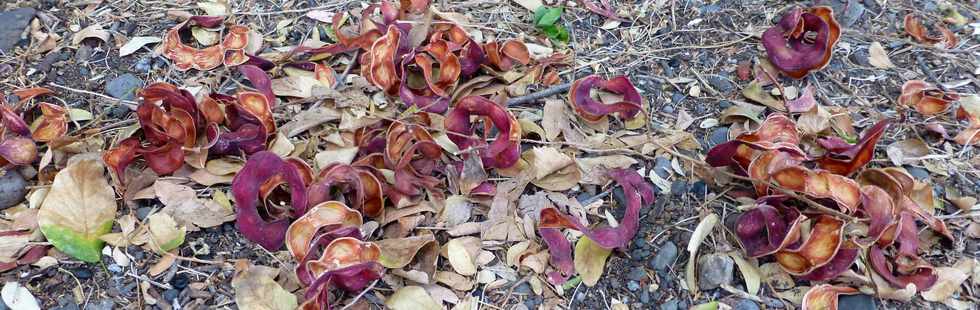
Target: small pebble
(180, 281)
(746, 304)
(633, 286)
(82, 273)
(664, 257)
(715, 270)
(170, 295)
(699, 189)
(678, 188)
(718, 136)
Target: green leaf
(547, 16)
(590, 260)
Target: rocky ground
(683, 55)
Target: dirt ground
(667, 48)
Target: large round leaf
(78, 210)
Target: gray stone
(714, 270)
(678, 188)
(718, 136)
(105, 304)
(633, 286)
(637, 273)
(670, 305)
(851, 13)
(746, 304)
(856, 302)
(13, 188)
(14, 23)
(124, 87)
(918, 173)
(721, 84)
(143, 212)
(662, 167)
(665, 257)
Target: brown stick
(554, 90)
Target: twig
(358, 297)
(554, 90)
(277, 12)
(128, 103)
(343, 76)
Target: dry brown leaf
(907, 151)
(949, 280)
(181, 202)
(256, 289)
(92, 31)
(553, 170)
(594, 168)
(462, 254)
(79, 208)
(878, 57)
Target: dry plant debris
(418, 154)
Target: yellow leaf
(590, 260)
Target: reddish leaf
(925, 98)
(845, 161)
(580, 95)
(767, 229)
(792, 51)
(504, 151)
(824, 296)
(914, 27)
(817, 250)
(260, 167)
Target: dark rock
(714, 270)
(524, 288)
(677, 98)
(180, 281)
(665, 257)
(861, 57)
(724, 104)
(678, 188)
(65, 302)
(14, 23)
(699, 189)
(637, 274)
(633, 286)
(45, 64)
(718, 136)
(145, 64)
(83, 53)
(856, 302)
(645, 296)
(124, 87)
(670, 305)
(711, 8)
(721, 84)
(13, 188)
(119, 112)
(143, 212)
(82, 273)
(746, 304)
(105, 304)
(533, 302)
(639, 254)
(662, 167)
(917, 173)
(850, 13)
(170, 295)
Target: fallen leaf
(457, 210)
(755, 93)
(741, 111)
(594, 169)
(181, 202)
(814, 121)
(949, 280)
(398, 252)
(553, 170)
(750, 272)
(136, 43)
(530, 5)
(907, 151)
(164, 235)
(215, 8)
(700, 233)
(411, 298)
(17, 297)
(92, 31)
(462, 254)
(334, 154)
(256, 289)
(590, 260)
(878, 57)
(79, 208)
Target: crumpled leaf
(949, 280)
(825, 296)
(181, 202)
(462, 254)
(767, 229)
(878, 57)
(777, 132)
(844, 158)
(819, 248)
(53, 123)
(637, 192)
(791, 51)
(260, 168)
(590, 260)
(164, 233)
(18, 297)
(926, 98)
(553, 170)
(915, 29)
(78, 209)
(135, 43)
(504, 151)
(580, 96)
(907, 151)
(399, 252)
(256, 289)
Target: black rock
(665, 257)
(856, 302)
(14, 23)
(180, 281)
(119, 112)
(721, 84)
(13, 188)
(718, 136)
(82, 273)
(533, 302)
(699, 189)
(170, 295)
(64, 303)
(724, 104)
(676, 98)
(715, 270)
(861, 57)
(746, 304)
(124, 87)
